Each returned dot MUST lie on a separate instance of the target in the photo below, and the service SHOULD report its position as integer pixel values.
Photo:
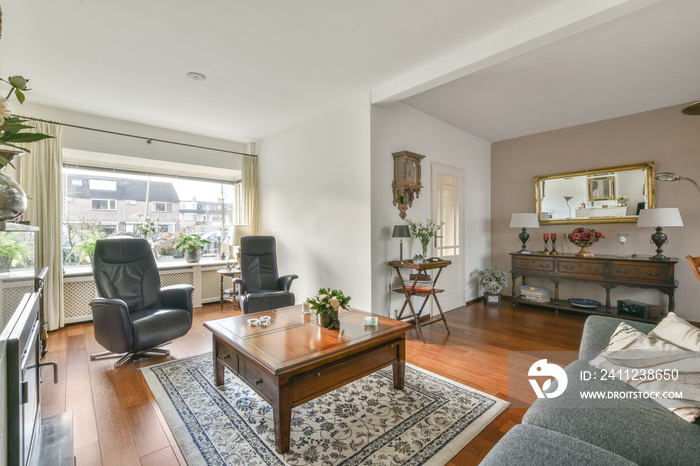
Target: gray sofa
(566, 430)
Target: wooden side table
(410, 291)
(233, 273)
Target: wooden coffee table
(294, 360)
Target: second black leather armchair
(260, 288)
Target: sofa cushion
(650, 364)
(530, 444)
(640, 430)
(597, 331)
(678, 331)
(155, 326)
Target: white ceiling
(273, 63)
(646, 60)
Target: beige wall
(664, 136)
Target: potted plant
(14, 134)
(11, 249)
(192, 246)
(424, 233)
(326, 303)
(493, 281)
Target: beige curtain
(250, 192)
(40, 176)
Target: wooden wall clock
(406, 185)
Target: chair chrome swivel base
(126, 357)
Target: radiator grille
(211, 285)
(11, 297)
(77, 292)
(179, 278)
(76, 299)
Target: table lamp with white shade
(659, 218)
(238, 232)
(524, 221)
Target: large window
(102, 202)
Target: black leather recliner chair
(260, 288)
(134, 315)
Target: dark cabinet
(607, 271)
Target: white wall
(400, 127)
(97, 142)
(315, 199)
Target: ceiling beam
(561, 21)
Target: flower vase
(584, 252)
(13, 201)
(335, 323)
(324, 320)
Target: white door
(447, 195)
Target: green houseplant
(86, 248)
(11, 249)
(192, 246)
(11, 128)
(326, 302)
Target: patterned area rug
(366, 422)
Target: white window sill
(86, 270)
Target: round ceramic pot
(193, 256)
(13, 201)
(324, 320)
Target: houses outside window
(103, 202)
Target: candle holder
(546, 250)
(554, 252)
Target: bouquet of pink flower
(584, 237)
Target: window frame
(109, 203)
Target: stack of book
(422, 284)
(531, 293)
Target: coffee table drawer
(228, 357)
(323, 379)
(257, 378)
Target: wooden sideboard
(607, 271)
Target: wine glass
(622, 239)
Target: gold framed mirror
(604, 195)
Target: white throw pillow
(677, 331)
(630, 352)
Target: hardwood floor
(117, 421)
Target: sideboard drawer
(656, 272)
(524, 264)
(581, 268)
